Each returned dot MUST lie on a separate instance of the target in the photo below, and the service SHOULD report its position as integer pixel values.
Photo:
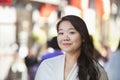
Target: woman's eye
(60, 33)
(72, 32)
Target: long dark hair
(85, 62)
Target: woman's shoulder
(53, 60)
(98, 65)
(48, 68)
(103, 74)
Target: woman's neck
(71, 57)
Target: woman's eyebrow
(71, 28)
(68, 29)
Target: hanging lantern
(81, 4)
(99, 6)
(46, 10)
(76, 3)
(5, 2)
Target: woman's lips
(66, 44)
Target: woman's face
(69, 39)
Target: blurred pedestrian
(31, 64)
(77, 62)
(54, 49)
(113, 65)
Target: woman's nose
(66, 38)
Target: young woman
(77, 63)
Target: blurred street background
(27, 25)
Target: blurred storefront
(27, 25)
